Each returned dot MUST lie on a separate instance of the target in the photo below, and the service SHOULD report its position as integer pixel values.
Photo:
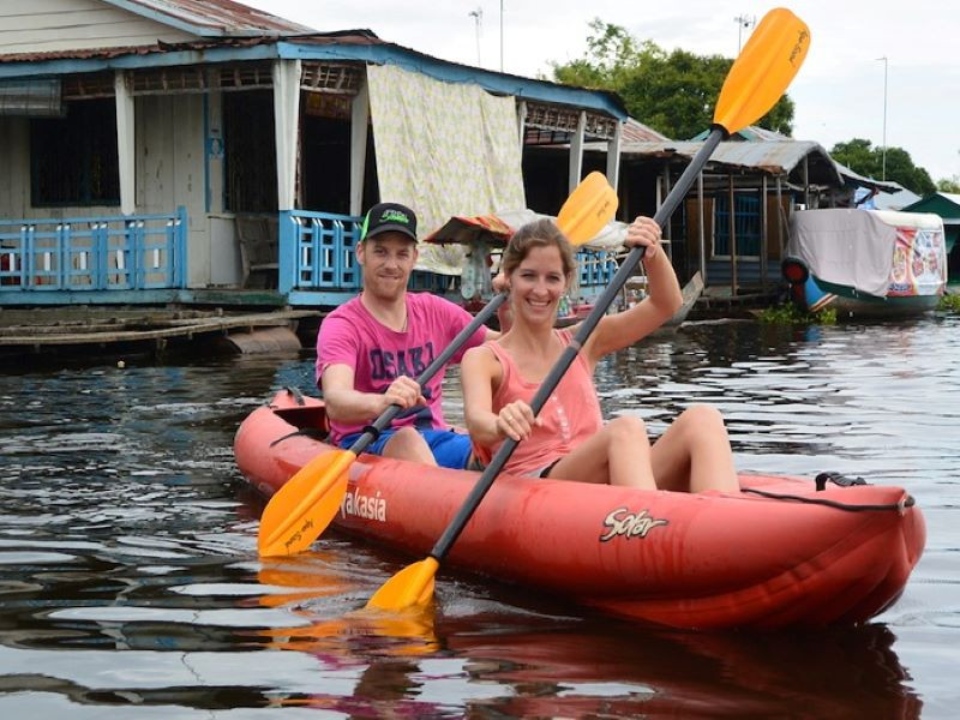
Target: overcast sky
(843, 91)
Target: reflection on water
(130, 585)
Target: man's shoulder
(344, 320)
(427, 299)
(434, 304)
(347, 311)
(350, 306)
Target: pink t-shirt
(570, 416)
(350, 335)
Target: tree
(860, 156)
(951, 185)
(674, 93)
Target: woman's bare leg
(694, 453)
(619, 454)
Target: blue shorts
(450, 449)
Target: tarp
(873, 251)
(497, 229)
(444, 149)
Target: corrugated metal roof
(751, 133)
(212, 18)
(896, 199)
(635, 131)
(775, 158)
(855, 178)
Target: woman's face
(537, 283)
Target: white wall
(171, 172)
(40, 26)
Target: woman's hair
(538, 233)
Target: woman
(569, 439)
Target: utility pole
(477, 16)
(501, 35)
(883, 154)
(743, 21)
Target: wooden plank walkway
(78, 332)
(55, 326)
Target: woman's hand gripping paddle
(759, 76)
(307, 503)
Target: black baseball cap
(389, 217)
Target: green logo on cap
(396, 216)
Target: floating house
(732, 228)
(179, 151)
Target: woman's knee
(703, 417)
(626, 428)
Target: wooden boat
(779, 553)
(692, 291)
(866, 263)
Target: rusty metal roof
(781, 157)
(212, 18)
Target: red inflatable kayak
(779, 553)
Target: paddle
(761, 74)
(307, 503)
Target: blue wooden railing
(317, 251)
(317, 254)
(316, 266)
(126, 252)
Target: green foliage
(949, 185)
(949, 302)
(673, 93)
(789, 314)
(860, 155)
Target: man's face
(387, 261)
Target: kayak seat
(310, 420)
(837, 479)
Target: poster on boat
(919, 260)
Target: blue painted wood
(129, 257)
(87, 254)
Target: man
(370, 349)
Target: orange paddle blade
(763, 70)
(308, 500)
(588, 209)
(411, 587)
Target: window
(746, 224)
(73, 160)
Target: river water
(130, 586)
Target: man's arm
(347, 405)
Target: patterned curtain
(444, 149)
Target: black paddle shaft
(386, 417)
(550, 383)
